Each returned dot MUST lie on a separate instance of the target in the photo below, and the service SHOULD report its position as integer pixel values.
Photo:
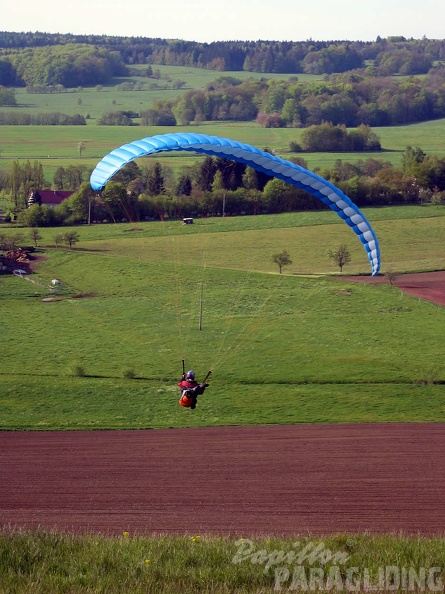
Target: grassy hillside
(284, 348)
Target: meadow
(305, 346)
(41, 562)
(57, 146)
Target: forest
(386, 56)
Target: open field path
(291, 479)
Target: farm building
(48, 197)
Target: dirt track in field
(429, 286)
(317, 479)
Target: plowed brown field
(317, 479)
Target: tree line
(218, 187)
(391, 55)
(349, 99)
(17, 118)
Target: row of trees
(17, 118)
(13, 242)
(215, 186)
(210, 174)
(116, 118)
(390, 55)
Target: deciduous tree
(282, 259)
(71, 238)
(35, 235)
(81, 147)
(341, 256)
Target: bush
(295, 147)
(129, 374)
(77, 370)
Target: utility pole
(200, 307)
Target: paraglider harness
(194, 392)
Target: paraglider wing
(253, 157)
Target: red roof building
(48, 197)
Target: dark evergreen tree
(184, 186)
(206, 174)
(156, 181)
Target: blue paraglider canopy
(255, 158)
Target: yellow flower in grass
(195, 538)
(147, 561)
(125, 534)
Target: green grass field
(296, 347)
(57, 146)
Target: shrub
(295, 147)
(129, 373)
(77, 370)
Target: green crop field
(57, 146)
(337, 351)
